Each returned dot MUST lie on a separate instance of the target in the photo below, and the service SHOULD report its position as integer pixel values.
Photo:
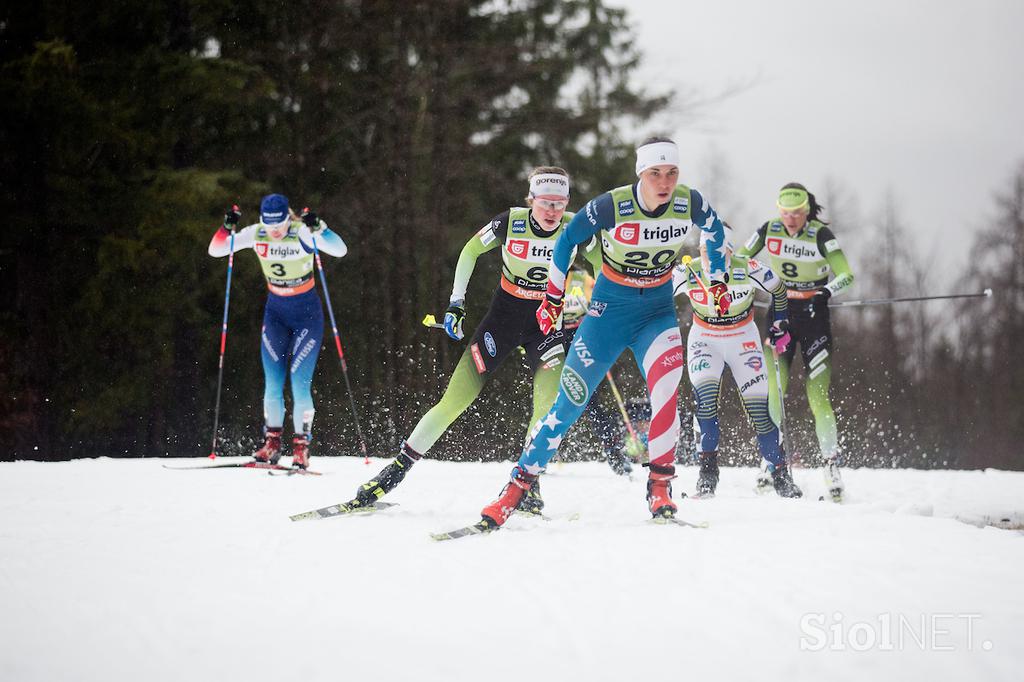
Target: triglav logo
(518, 247)
(628, 233)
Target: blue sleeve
(598, 214)
(704, 217)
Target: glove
(821, 298)
(720, 295)
(778, 335)
(453, 318)
(231, 217)
(548, 313)
(311, 220)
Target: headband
(656, 154)
(549, 186)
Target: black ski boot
(782, 479)
(388, 478)
(532, 503)
(707, 480)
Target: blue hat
(274, 209)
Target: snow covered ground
(122, 570)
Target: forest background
(129, 127)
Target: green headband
(793, 199)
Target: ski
(666, 519)
(235, 465)
(476, 529)
(702, 496)
(540, 515)
(341, 509)
(292, 471)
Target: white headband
(549, 185)
(656, 154)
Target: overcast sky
(925, 98)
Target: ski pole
(621, 404)
(341, 354)
(884, 301)
(223, 340)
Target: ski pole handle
(431, 321)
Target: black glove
(821, 298)
(232, 216)
(311, 220)
(453, 318)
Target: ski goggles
(551, 204)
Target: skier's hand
(453, 318)
(548, 313)
(778, 335)
(310, 219)
(820, 299)
(231, 217)
(720, 295)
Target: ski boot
(532, 502)
(659, 490)
(388, 478)
(300, 452)
(707, 480)
(511, 496)
(618, 460)
(271, 450)
(782, 480)
(833, 481)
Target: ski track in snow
(122, 570)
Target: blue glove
(453, 318)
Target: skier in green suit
(526, 237)
(803, 251)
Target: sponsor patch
(749, 345)
(774, 245)
(818, 359)
(518, 227)
(754, 362)
(478, 359)
(756, 380)
(681, 204)
(552, 352)
(574, 387)
(492, 348)
(752, 242)
(261, 249)
(518, 247)
(816, 371)
(699, 365)
(583, 353)
(596, 308)
(628, 233)
(832, 245)
(626, 207)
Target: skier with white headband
(642, 228)
(526, 237)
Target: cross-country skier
(731, 339)
(803, 251)
(293, 320)
(526, 237)
(642, 228)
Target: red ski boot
(511, 496)
(659, 490)
(271, 450)
(300, 452)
